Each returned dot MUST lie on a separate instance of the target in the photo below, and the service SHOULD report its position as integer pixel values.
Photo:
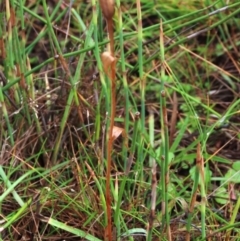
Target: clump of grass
(158, 159)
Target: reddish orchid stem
(110, 133)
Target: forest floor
(144, 147)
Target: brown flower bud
(108, 61)
(108, 9)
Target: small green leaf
(221, 195)
(207, 174)
(236, 165)
(232, 176)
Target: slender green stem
(140, 62)
(102, 79)
(165, 140)
(153, 166)
(126, 123)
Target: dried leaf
(117, 131)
